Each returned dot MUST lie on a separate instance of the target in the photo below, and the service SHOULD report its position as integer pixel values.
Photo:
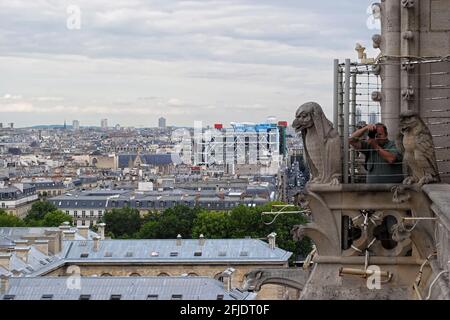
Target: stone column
(391, 32)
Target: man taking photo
(383, 159)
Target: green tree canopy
(245, 221)
(8, 220)
(214, 225)
(39, 209)
(55, 219)
(123, 222)
(170, 223)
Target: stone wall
(343, 256)
(439, 194)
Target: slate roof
(16, 233)
(113, 199)
(12, 192)
(150, 159)
(129, 288)
(157, 250)
(47, 184)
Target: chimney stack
(54, 241)
(83, 231)
(4, 284)
(272, 240)
(69, 234)
(201, 240)
(5, 261)
(96, 241)
(179, 240)
(101, 230)
(227, 278)
(22, 253)
(42, 246)
(64, 226)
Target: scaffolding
(358, 97)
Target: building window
(163, 274)
(152, 297)
(83, 222)
(83, 213)
(3, 204)
(47, 297)
(135, 274)
(115, 297)
(75, 213)
(9, 297)
(219, 277)
(67, 212)
(91, 213)
(85, 297)
(106, 275)
(177, 297)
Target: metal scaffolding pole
(353, 125)
(346, 119)
(340, 127)
(336, 94)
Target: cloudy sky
(131, 61)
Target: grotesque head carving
(304, 116)
(408, 120)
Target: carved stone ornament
(321, 144)
(417, 145)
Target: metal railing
(354, 105)
(357, 101)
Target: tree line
(41, 214)
(190, 223)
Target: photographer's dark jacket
(378, 169)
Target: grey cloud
(180, 57)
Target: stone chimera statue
(321, 144)
(417, 145)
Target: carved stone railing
(439, 194)
(358, 225)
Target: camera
(372, 133)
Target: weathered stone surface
(418, 150)
(321, 143)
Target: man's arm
(354, 140)
(386, 155)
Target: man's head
(381, 135)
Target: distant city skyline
(215, 61)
